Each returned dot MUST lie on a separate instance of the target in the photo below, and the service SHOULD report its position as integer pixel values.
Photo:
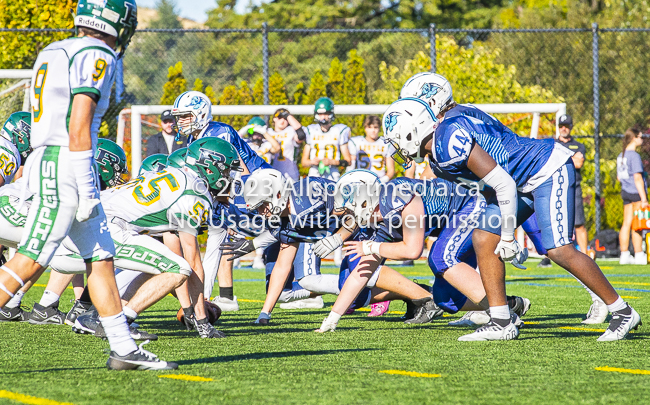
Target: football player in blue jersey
(404, 212)
(526, 175)
(300, 213)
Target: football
(214, 313)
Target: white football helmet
(198, 105)
(407, 122)
(359, 191)
(267, 185)
(431, 88)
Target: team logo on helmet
(108, 158)
(348, 192)
(196, 103)
(391, 121)
(209, 156)
(429, 90)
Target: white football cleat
(307, 303)
(472, 319)
(225, 304)
(597, 313)
(622, 323)
(492, 331)
(640, 259)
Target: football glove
(327, 245)
(264, 319)
(329, 324)
(510, 251)
(237, 248)
(86, 209)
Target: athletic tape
(3, 288)
(14, 275)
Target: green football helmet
(257, 121)
(215, 160)
(17, 130)
(324, 105)
(118, 18)
(111, 161)
(153, 163)
(177, 158)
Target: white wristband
(370, 248)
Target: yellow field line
(185, 377)
(44, 285)
(583, 329)
(628, 297)
(243, 300)
(622, 370)
(28, 399)
(410, 373)
(387, 312)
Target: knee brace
(14, 276)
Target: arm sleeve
(301, 134)
(506, 191)
(635, 164)
(92, 71)
(264, 240)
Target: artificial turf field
(555, 359)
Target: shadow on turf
(268, 355)
(47, 370)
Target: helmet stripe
(435, 119)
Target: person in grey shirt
(629, 171)
(168, 140)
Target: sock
(48, 298)
(117, 333)
(130, 314)
(484, 303)
(500, 312)
(594, 297)
(226, 292)
(15, 301)
(511, 301)
(617, 305)
(85, 296)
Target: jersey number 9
(39, 83)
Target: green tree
(176, 84)
(300, 94)
(258, 91)
(335, 81)
(354, 90)
(277, 90)
(316, 90)
(19, 50)
(198, 85)
(167, 15)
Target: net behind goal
(146, 117)
(14, 91)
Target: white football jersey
(421, 167)
(9, 160)
(62, 70)
(170, 200)
(10, 202)
(284, 161)
(326, 145)
(263, 151)
(370, 155)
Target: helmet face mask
(192, 111)
(118, 18)
(266, 191)
(17, 129)
(111, 162)
(324, 111)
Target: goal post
(14, 81)
(137, 111)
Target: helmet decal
(429, 90)
(196, 103)
(391, 121)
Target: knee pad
(321, 283)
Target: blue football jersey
(465, 125)
(441, 198)
(310, 219)
(224, 131)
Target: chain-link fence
(599, 73)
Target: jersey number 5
(6, 165)
(154, 189)
(39, 83)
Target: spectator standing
(168, 140)
(565, 138)
(629, 171)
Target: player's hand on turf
(327, 245)
(236, 248)
(510, 251)
(329, 324)
(263, 319)
(86, 208)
